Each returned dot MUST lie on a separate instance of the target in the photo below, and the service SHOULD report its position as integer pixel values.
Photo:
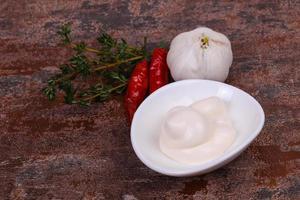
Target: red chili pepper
(137, 88)
(159, 72)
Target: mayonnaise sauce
(197, 133)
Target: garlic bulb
(200, 54)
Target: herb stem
(118, 63)
(109, 91)
(92, 50)
(73, 75)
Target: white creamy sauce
(197, 133)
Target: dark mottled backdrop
(57, 151)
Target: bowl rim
(198, 168)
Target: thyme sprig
(110, 65)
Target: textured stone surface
(57, 151)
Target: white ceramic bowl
(246, 113)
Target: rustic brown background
(57, 151)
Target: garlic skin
(200, 54)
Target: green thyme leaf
(80, 47)
(64, 32)
(106, 40)
(80, 64)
